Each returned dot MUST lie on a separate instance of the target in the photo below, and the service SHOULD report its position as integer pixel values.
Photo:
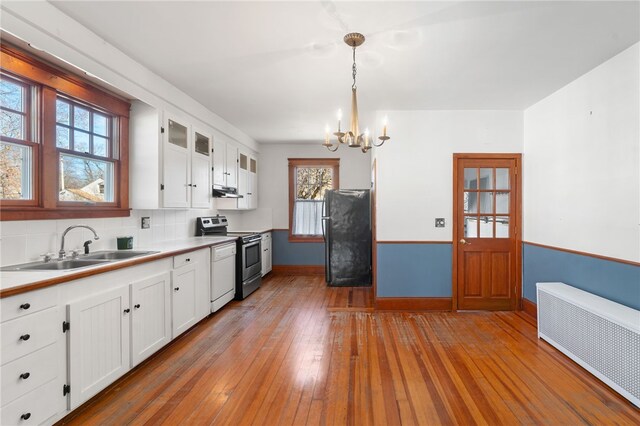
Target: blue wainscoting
(414, 270)
(616, 281)
(287, 253)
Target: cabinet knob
(126, 311)
(177, 289)
(25, 337)
(25, 376)
(137, 306)
(25, 306)
(194, 185)
(25, 416)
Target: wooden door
(486, 231)
(176, 173)
(219, 162)
(151, 316)
(183, 303)
(98, 342)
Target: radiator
(600, 335)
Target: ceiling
(279, 70)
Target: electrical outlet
(439, 222)
(146, 222)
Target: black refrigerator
(346, 227)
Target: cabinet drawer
(184, 259)
(266, 236)
(223, 252)
(29, 333)
(35, 407)
(28, 303)
(27, 373)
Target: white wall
(582, 162)
(273, 172)
(415, 168)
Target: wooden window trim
(53, 82)
(334, 163)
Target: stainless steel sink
(55, 265)
(116, 254)
(97, 258)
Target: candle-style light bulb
(339, 118)
(385, 121)
(326, 134)
(366, 137)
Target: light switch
(439, 222)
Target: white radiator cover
(600, 335)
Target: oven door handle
(254, 243)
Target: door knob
(463, 241)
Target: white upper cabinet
(170, 160)
(225, 164)
(247, 184)
(176, 182)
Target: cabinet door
(183, 298)
(219, 162)
(253, 183)
(232, 166)
(243, 180)
(98, 342)
(176, 173)
(150, 316)
(201, 188)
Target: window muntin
(309, 181)
(83, 129)
(16, 150)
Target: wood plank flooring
(297, 352)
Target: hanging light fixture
(353, 138)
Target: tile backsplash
(25, 241)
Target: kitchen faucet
(61, 253)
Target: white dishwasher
(223, 275)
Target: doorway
(487, 204)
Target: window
(16, 141)
(64, 143)
(309, 179)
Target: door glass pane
(486, 202)
(15, 179)
(486, 227)
(486, 178)
(502, 227)
(243, 162)
(470, 202)
(81, 118)
(177, 134)
(470, 226)
(253, 166)
(470, 178)
(85, 180)
(62, 137)
(502, 202)
(502, 178)
(80, 141)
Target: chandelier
(353, 138)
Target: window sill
(303, 239)
(25, 213)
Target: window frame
(294, 163)
(30, 141)
(49, 83)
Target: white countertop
(252, 230)
(12, 279)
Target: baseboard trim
(413, 303)
(530, 308)
(298, 270)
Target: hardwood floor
(297, 352)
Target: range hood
(225, 192)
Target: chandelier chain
(354, 68)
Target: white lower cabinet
(98, 342)
(183, 298)
(150, 316)
(33, 408)
(266, 253)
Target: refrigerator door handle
(324, 229)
